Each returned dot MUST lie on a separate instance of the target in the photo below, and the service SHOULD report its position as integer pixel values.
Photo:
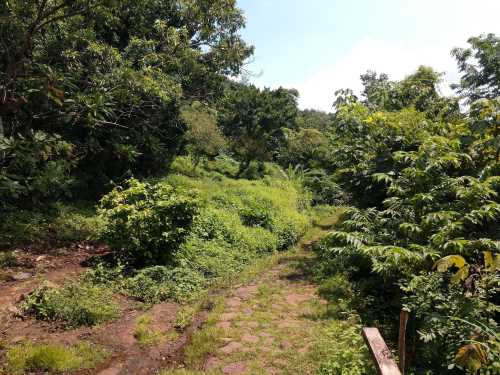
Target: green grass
(185, 316)
(57, 224)
(52, 358)
(75, 304)
(146, 336)
(339, 349)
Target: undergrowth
(74, 304)
(27, 357)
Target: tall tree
(108, 78)
(480, 68)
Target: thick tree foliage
(254, 119)
(91, 90)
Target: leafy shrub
(442, 310)
(74, 304)
(36, 165)
(159, 283)
(147, 222)
(28, 357)
(214, 259)
(325, 188)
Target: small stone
(223, 325)
(272, 370)
(250, 338)
(14, 310)
(40, 258)
(231, 347)
(227, 317)
(211, 363)
(234, 302)
(285, 345)
(20, 276)
(235, 368)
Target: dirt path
(267, 326)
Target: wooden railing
(382, 356)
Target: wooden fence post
(403, 321)
(380, 352)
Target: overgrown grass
(204, 342)
(53, 225)
(74, 304)
(28, 357)
(339, 349)
(184, 317)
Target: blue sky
(318, 46)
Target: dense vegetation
(119, 122)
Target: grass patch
(53, 358)
(184, 317)
(146, 336)
(75, 304)
(56, 224)
(339, 349)
(204, 341)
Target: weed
(145, 335)
(57, 224)
(184, 317)
(339, 350)
(53, 358)
(159, 283)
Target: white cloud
(457, 23)
(317, 90)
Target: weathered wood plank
(380, 352)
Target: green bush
(335, 288)
(27, 357)
(75, 304)
(147, 222)
(160, 283)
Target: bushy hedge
(147, 222)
